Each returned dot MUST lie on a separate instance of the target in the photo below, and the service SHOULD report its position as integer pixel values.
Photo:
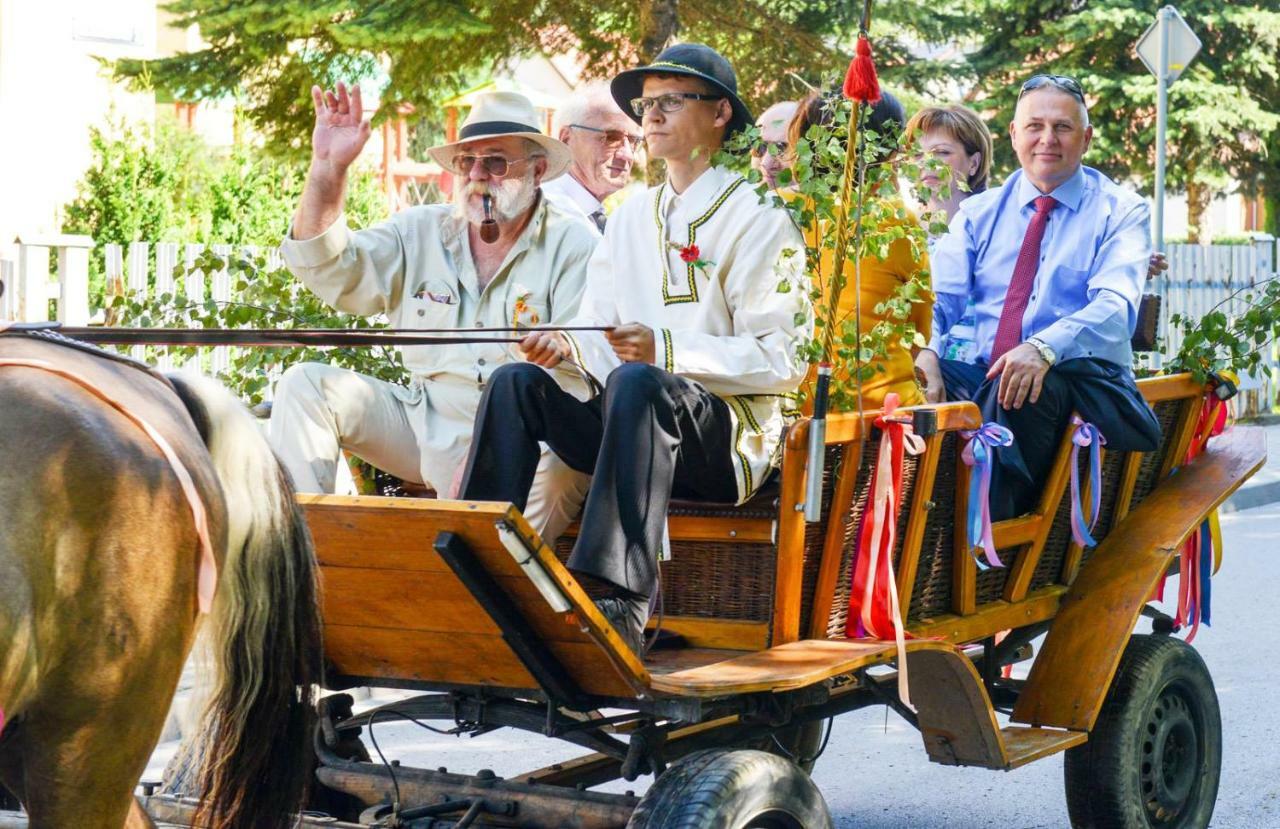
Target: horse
(105, 536)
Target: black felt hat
(694, 60)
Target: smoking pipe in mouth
(489, 227)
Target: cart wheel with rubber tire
(744, 789)
(1154, 756)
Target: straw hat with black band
(693, 60)
(503, 115)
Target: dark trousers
(1020, 471)
(649, 436)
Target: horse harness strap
(207, 570)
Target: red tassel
(861, 84)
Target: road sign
(1182, 49)
(1166, 47)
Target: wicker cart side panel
(839, 616)
(991, 582)
(711, 579)
(849, 524)
(1112, 468)
(931, 593)
(1049, 568)
(1168, 412)
(815, 534)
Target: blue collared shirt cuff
(1059, 337)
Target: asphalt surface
(875, 773)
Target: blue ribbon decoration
(1086, 435)
(979, 453)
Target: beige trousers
(419, 433)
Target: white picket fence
(1203, 277)
(132, 266)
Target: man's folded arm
(1114, 292)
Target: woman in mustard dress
(880, 279)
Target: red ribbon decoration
(1192, 592)
(873, 599)
(860, 82)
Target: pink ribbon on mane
(207, 569)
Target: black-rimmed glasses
(612, 138)
(494, 165)
(1068, 85)
(669, 101)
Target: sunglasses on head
(1069, 85)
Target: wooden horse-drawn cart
(466, 603)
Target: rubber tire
(718, 789)
(1104, 777)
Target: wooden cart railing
(757, 575)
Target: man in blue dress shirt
(1055, 260)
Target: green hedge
(165, 184)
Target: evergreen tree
(268, 53)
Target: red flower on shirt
(690, 253)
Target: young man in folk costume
(699, 360)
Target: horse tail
(264, 629)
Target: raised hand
(341, 131)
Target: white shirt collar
(566, 190)
(699, 195)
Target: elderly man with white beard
(430, 267)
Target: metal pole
(1163, 283)
(1162, 117)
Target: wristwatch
(1046, 351)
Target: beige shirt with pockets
(416, 269)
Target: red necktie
(1009, 331)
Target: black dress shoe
(628, 616)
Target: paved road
(875, 774)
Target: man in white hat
(430, 267)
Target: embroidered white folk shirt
(723, 322)
(416, 269)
